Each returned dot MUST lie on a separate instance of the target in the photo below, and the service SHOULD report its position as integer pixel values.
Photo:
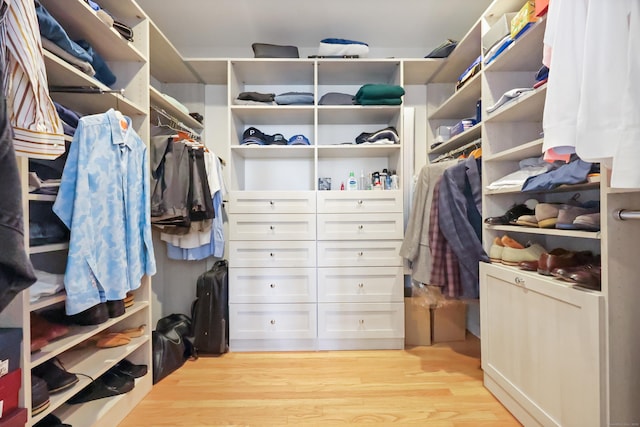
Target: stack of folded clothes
(78, 53)
(379, 94)
(388, 135)
(343, 47)
(255, 98)
(294, 98)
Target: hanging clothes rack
(175, 123)
(450, 154)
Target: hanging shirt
(36, 126)
(104, 200)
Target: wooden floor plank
(435, 386)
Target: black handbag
(171, 344)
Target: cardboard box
(525, 17)
(449, 322)
(10, 339)
(9, 389)
(498, 31)
(17, 418)
(417, 323)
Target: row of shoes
(51, 377)
(566, 216)
(51, 325)
(581, 268)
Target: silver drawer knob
(360, 202)
(362, 321)
(271, 227)
(360, 253)
(271, 202)
(519, 281)
(271, 254)
(273, 285)
(360, 227)
(361, 285)
(273, 322)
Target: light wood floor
(436, 386)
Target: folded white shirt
(46, 284)
(508, 96)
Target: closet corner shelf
(211, 71)
(526, 108)
(41, 197)
(459, 140)
(467, 50)
(158, 100)
(165, 62)
(462, 103)
(524, 151)
(545, 231)
(421, 71)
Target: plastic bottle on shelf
(362, 183)
(352, 183)
(394, 181)
(342, 185)
(384, 175)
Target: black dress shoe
(91, 316)
(115, 308)
(51, 421)
(510, 216)
(107, 385)
(39, 395)
(57, 378)
(128, 368)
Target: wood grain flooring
(435, 386)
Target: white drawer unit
(352, 253)
(272, 202)
(360, 226)
(360, 284)
(345, 325)
(272, 321)
(359, 201)
(272, 227)
(272, 285)
(290, 253)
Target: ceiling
(227, 28)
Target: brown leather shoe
(587, 275)
(42, 329)
(562, 258)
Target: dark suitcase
(210, 311)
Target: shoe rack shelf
(539, 322)
(75, 350)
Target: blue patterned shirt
(104, 200)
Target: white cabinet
(543, 347)
(281, 226)
(272, 280)
(127, 60)
(553, 354)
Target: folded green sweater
(380, 101)
(379, 91)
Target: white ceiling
(392, 28)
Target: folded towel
(378, 91)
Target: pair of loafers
(557, 258)
(44, 331)
(56, 378)
(587, 276)
(120, 379)
(99, 313)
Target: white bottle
(352, 183)
(362, 183)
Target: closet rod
(84, 89)
(174, 121)
(476, 143)
(625, 214)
